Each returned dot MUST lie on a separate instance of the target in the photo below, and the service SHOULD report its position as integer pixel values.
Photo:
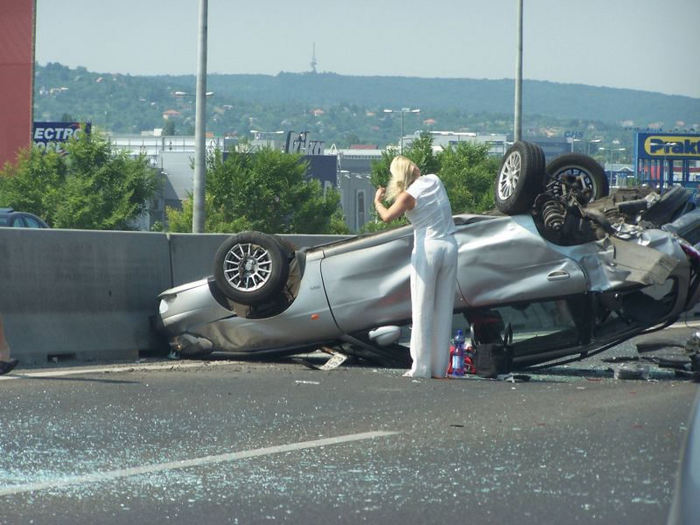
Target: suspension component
(553, 214)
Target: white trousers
(433, 285)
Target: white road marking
(19, 374)
(195, 462)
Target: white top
(432, 211)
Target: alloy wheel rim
(583, 177)
(247, 267)
(509, 176)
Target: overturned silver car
(566, 269)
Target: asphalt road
(265, 442)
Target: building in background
(552, 146)
(497, 142)
(664, 159)
(268, 139)
(173, 157)
(354, 183)
(16, 77)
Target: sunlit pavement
(225, 441)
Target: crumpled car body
(560, 301)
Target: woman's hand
(404, 201)
(379, 195)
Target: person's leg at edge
(6, 364)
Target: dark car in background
(20, 219)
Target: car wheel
(520, 178)
(581, 174)
(251, 267)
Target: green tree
(265, 190)
(421, 152)
(466, 170)
(468, 173)
(90, 187)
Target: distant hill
(350, 106)
(568, 101)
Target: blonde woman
(423, 200)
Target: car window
(31, 222)
(541, 326)
(537, 326)
(4, 221)
(18, 222)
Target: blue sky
(637, 44)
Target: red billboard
(16, 76)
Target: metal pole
(401, 148)
(200, 168)
(517, 131)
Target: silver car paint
(189, 305)
(506, 260)
(291, 328)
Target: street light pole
(517, 124)
(200, 168)
(619, 157)
(401, 146)
(402, 111)
(588, 145)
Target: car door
(367, 280)
(504, 260)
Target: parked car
(20, 219)
(565, 269)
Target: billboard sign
(50, 135)
(669, 146)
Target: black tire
(520, 178)
(582, 172)
(287, 246)
(250, 268)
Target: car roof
(8, 214)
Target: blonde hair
(403, 172)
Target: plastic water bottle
(458, 354)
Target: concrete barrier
(89, 295)
(81, 294)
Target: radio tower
(313, 60)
